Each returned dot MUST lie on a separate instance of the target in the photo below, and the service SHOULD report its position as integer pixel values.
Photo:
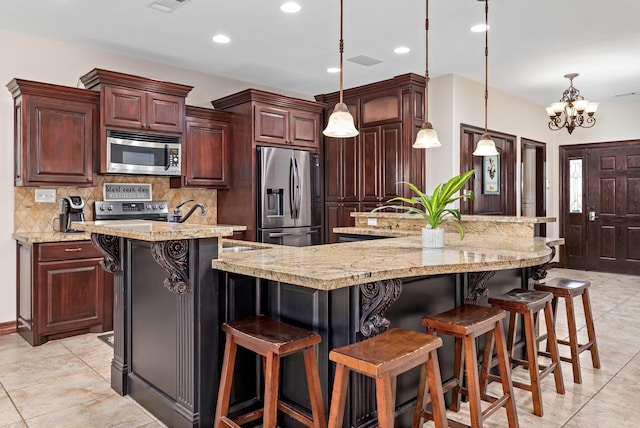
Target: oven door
(135, 156)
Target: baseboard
(8, 327)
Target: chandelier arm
(426, 63)
(341, 47)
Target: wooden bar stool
(527, 303)
(465, 323)
(568, 289)
(383, 358)
(273, 340)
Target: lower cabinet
(62, 291)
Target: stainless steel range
(138, 210)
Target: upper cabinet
(205, 160)
(277, 120)
(55, 132)
(138, 104)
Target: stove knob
(110, 208)
(149, 206)
(101, 207)
(161, 206)
(155, 206)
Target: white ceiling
(532, 44)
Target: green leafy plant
(434, 207)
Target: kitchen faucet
(177, 212)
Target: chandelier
(570, 111)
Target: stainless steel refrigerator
(289, 197)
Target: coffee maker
(71, 209)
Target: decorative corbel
(376, 299)
(173, 256)
(109, 246)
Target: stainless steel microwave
(136, 153)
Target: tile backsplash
(31, 216)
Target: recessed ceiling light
(480, 28)
(402, 50)
(333, 70)
(290, 7)
(221, 38)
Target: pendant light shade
(427, 137)
(486, 146)
(341, 123)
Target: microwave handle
(166, 157)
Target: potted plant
(434, 207)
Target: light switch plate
(45, 195)
(372, 221)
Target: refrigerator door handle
(292, 202)
(298, 190)
(280, 234)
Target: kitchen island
(345, 292)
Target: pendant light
(340, 122)
(486, 146)
(427, 137)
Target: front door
(601, 224)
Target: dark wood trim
(8, 327)
(541, 178)
(97, 77)
(266, 97)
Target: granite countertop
(469, 218)
(332, 266)
(146, 230)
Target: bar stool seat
(567, 289)
(383, 358)
(465, 323)
(273, 340)
(527, 303)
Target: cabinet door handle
(72, 250)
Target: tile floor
(65, 383)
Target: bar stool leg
(487, 359)
(385, 398)
(552, 341)
(473, 384)
(224, 391)
(458, 372)
(573, 340)
(505, 375)
(271, 391)
(435, 384)
(338, 396)
(315, 391)
(586, 302)
(532, 358)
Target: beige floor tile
(8, 413)
(598, 414)
(41, 398)
(110, 411)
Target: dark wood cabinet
(141, 110)
(137, 104)
(55, 134)
(261, 119)
(62, 291)
(369, 168)
(205, 155)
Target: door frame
(507, 160)
(541, 185)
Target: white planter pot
(433, 238)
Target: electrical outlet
(45, 195)
(372, 221)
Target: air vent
(364, 60)
(627, 94)
(167, 6)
